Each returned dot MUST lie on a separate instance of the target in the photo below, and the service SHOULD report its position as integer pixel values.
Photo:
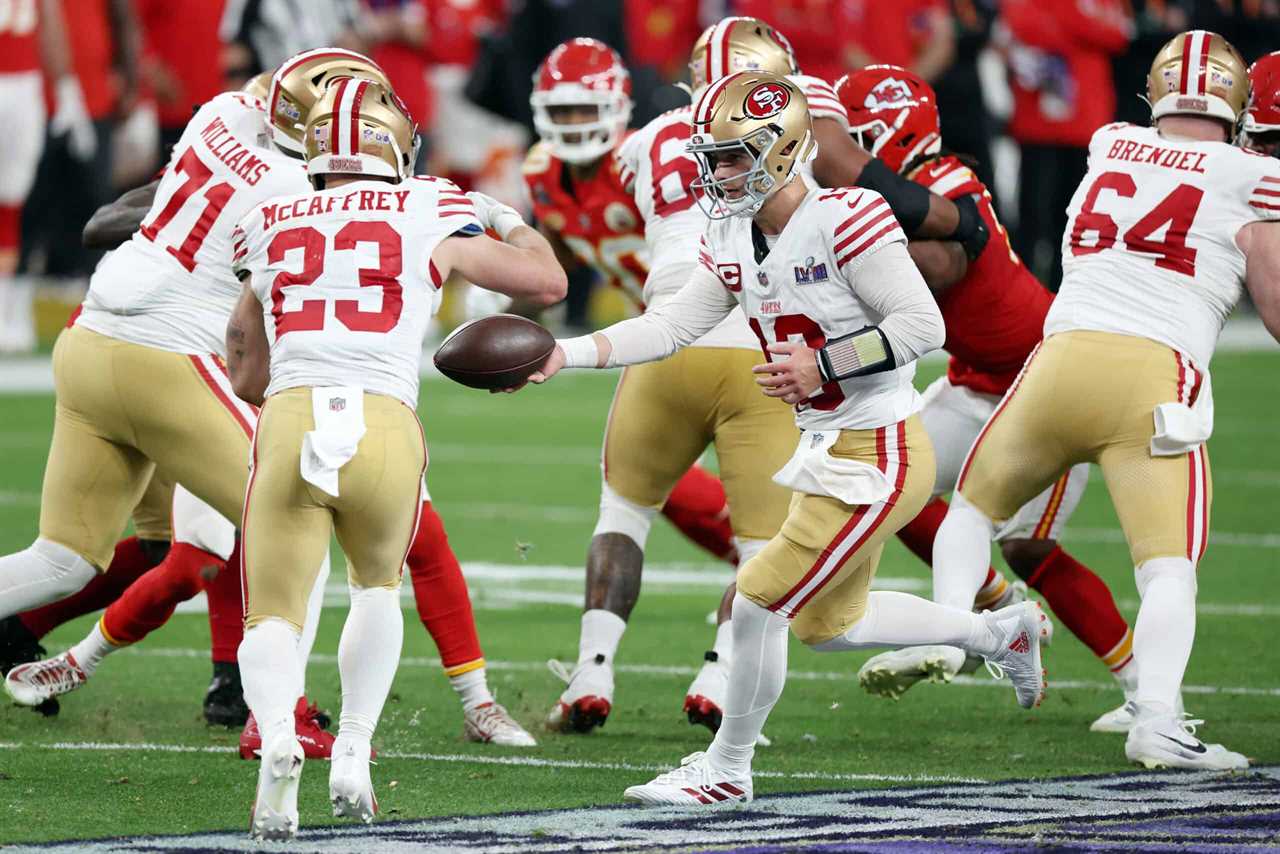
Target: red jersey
(596, 218)
(19, 44)
(185, 41)
(995, 314)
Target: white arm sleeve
(679, 321)
(889, 283)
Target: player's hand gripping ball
(496, 352)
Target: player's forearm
(940, 50)
(542, 280)
(890, 283)
(248, 352)
(114, 223)
(1260, 242)
(942, 263)
(55, 53)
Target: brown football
(498, 351)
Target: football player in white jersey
(700, 395)
(338, 287)
(827, 286)
(1167, 226)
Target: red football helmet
(583, 74)
(1263, 114)
(892, 113)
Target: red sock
(149, 602)
(127, 565)
(1082, 601)
(697, 506)
(440, 592)
(226, 609)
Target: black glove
(971, 232)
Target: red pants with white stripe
(123, 410)
(1090, 397)
(818, 569)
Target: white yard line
(464, 758)
(684, 671)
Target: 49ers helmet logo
(767, 99)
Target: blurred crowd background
(1021, 83)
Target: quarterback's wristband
(908, 200)
(580, 352)
(855, 355)
(971, 232)
(507, 222)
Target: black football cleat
(224, 703)
(17, 644)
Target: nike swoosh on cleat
(1194, 748)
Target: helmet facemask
(580, 143)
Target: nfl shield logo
(762, 278)
(337, 404)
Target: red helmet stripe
(725, 41)
(1207, 40)
(703, 114)
(356, 100)
(335, 125)
(1186, 62)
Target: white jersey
(170, 286)
(1150, 246)
(806, 290)
(659, 171)
(346, 280)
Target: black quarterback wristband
(908, 200)
(855, 355)
(971, 232)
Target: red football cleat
(316, 743)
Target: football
(499, 351)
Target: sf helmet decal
(767, 99)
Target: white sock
(1127, 676)
(271, 676)
(368, 654)
(1165, 629)
(748, 548)
(601, 633)
(756, 677)
(472, 688)
(900, 619)
(723, 647)
(961, 554)
(41, 573)
(315, 602)
(90, 651)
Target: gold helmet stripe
(1195, 62)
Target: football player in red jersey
(994, 309)
(1262, 121)
(581, 105)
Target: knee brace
(619, 515)
(1179, 568)
(198, 524)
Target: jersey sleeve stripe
(1263, 191)
(1271, 179)
(871, 241)
(859, 214)
(1264, 205)
(866, 226)
(435, 275)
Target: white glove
(71, 118)
(494, 214)
(482, 303)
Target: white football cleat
(492, 724)
(33, 683)
(704, 701)
(694, 784)
(1123, 718)
(275, 807)
(1017, 655)
(1020, 595)
(350, 786)
(586, 703)
(1169, 741)
(891, 674)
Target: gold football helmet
(738, 44)
(1199, 73)
(359, 128)
(301, 80)
(259, 86)
(763, 115)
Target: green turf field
(516, 480)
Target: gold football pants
(664, 415)
(288, 521)
(124, 410)
(1089, 397)
(818, 569)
